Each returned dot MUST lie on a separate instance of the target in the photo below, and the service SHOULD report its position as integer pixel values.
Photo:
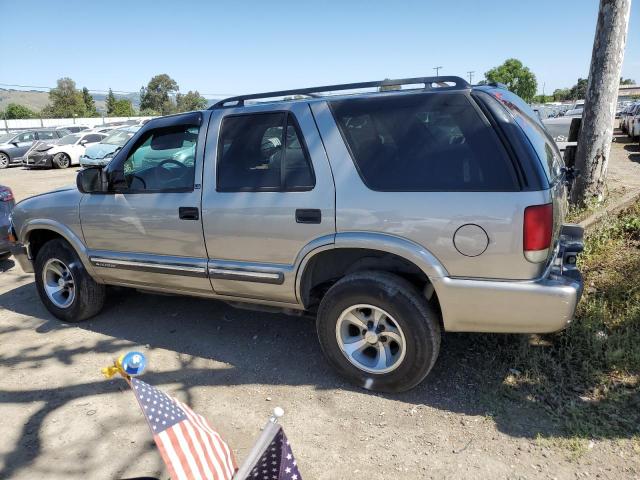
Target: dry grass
(587, 378)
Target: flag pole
(268, 433)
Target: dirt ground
(61, 420)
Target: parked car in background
(626, 116)
(13, 146)
(62, 153)
(634, 124)
(73, 128)
(101, 153)
(391, 216)
(7, 203)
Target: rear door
(268, 199)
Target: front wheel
(61, 160)
(63, 284)
(377, 330)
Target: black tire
(89, 296)
(4, 160)
(61, 160)
(409, 309)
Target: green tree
(579, 90)
(123, 108)
(561, 94)
(66, 100)
(110, 103)
(14, 111)
(89, 103)
(157, 94)
(518, 78)
(627, 81)
(190, 101)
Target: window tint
(163, 160)
(426, 142)
(255, 153)
(26, 137)
(540, 139)
(93, 138)
(46, 135)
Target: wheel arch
(359, 251)
(39, 231)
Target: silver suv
(391, 215)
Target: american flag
(276, 462)
(190, 448)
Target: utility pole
(437, 69)
(471, 72)
(596, 132)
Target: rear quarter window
(540, 140)
(423, 142)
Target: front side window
(263, 152)
(26, 137)
(163, 160)
(423, 142)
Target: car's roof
(352, 90)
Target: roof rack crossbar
(428, 82)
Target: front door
(21, 144)
(149, 231)
(269, 199)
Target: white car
(63, 153)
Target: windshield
(117, 137)
(68, 139)
(6, 137)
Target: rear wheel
(377, 330)
(63, 284)
(4, 160)
(61, 160)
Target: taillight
(538, 228)
(5, 194)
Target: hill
(36, 100)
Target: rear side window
(426, 142)
(46, 135)
(540, 139)
(263, 152)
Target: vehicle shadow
(261, 348)
(634, 151)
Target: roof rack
(428, 82)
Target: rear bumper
(540, 306)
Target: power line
(471, 72)
(437, 69)
(121, 92)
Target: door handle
(308, 215)
(189, 213)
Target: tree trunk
(594, 141)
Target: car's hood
(66, 188)
(100, 150)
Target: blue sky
(233, 47)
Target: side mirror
(92, 180)
(15, 143)
(83, 142)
